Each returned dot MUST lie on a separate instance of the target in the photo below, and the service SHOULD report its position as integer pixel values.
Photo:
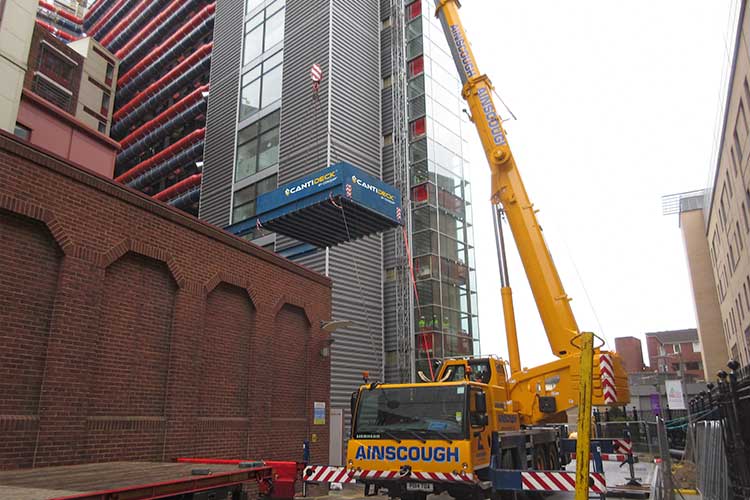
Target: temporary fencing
(722, 435)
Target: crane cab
(490, 371)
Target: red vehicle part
(169, 489)
(284, 478)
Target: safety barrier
(724, 412)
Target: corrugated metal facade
(221, 118)
(342, 124)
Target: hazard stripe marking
(559, 481)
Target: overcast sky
(617, 105)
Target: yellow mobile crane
(461, 432)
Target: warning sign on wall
(319, 413)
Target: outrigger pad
(334, 205)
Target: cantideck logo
(323, 179)
(383, 194)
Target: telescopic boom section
(508, 189)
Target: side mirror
(480, 402)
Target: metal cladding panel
(304, 120)
(355, 108)
(386, 96)
(385, 53)
(351, 78)
(221, 118)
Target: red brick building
(631, 353)
(132, 331)
(676, 351)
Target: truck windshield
(438, 412)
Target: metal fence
(722, 429)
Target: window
(416, 66)
(102, 127)
(677, 348)
(244, 199)
(417, 128)
(52, 91)
(386, 23)
(738, 236)
(734, 160)
(263, 31)
(745, 217)
(413, 10)
(675, 367)
(105, 104)
(258, 146)
(741, 123)
(737, 144)
(22, 132)
(261, 86)
(693, 365)
(387, 140)
(56, 66)
(696, 347)
(109, 75)
(387, 82)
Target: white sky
(617, 105)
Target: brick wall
(132, 331)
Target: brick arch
(43, 215)
(30, 269)
(234, 280)
(138, 247)
(292, 301)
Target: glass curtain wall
(257, 147)
(442, 239)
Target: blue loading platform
(334, 205)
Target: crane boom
(508, 189)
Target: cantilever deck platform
(331, 206)
(111, 480)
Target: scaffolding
(404, 298)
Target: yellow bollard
(583, 441)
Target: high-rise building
(689, 207)
(727, 204)
(159, 108)
(389, 103)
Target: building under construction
(215, 106)
(164, 53)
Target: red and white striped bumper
(559, 481)
(326, 474)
